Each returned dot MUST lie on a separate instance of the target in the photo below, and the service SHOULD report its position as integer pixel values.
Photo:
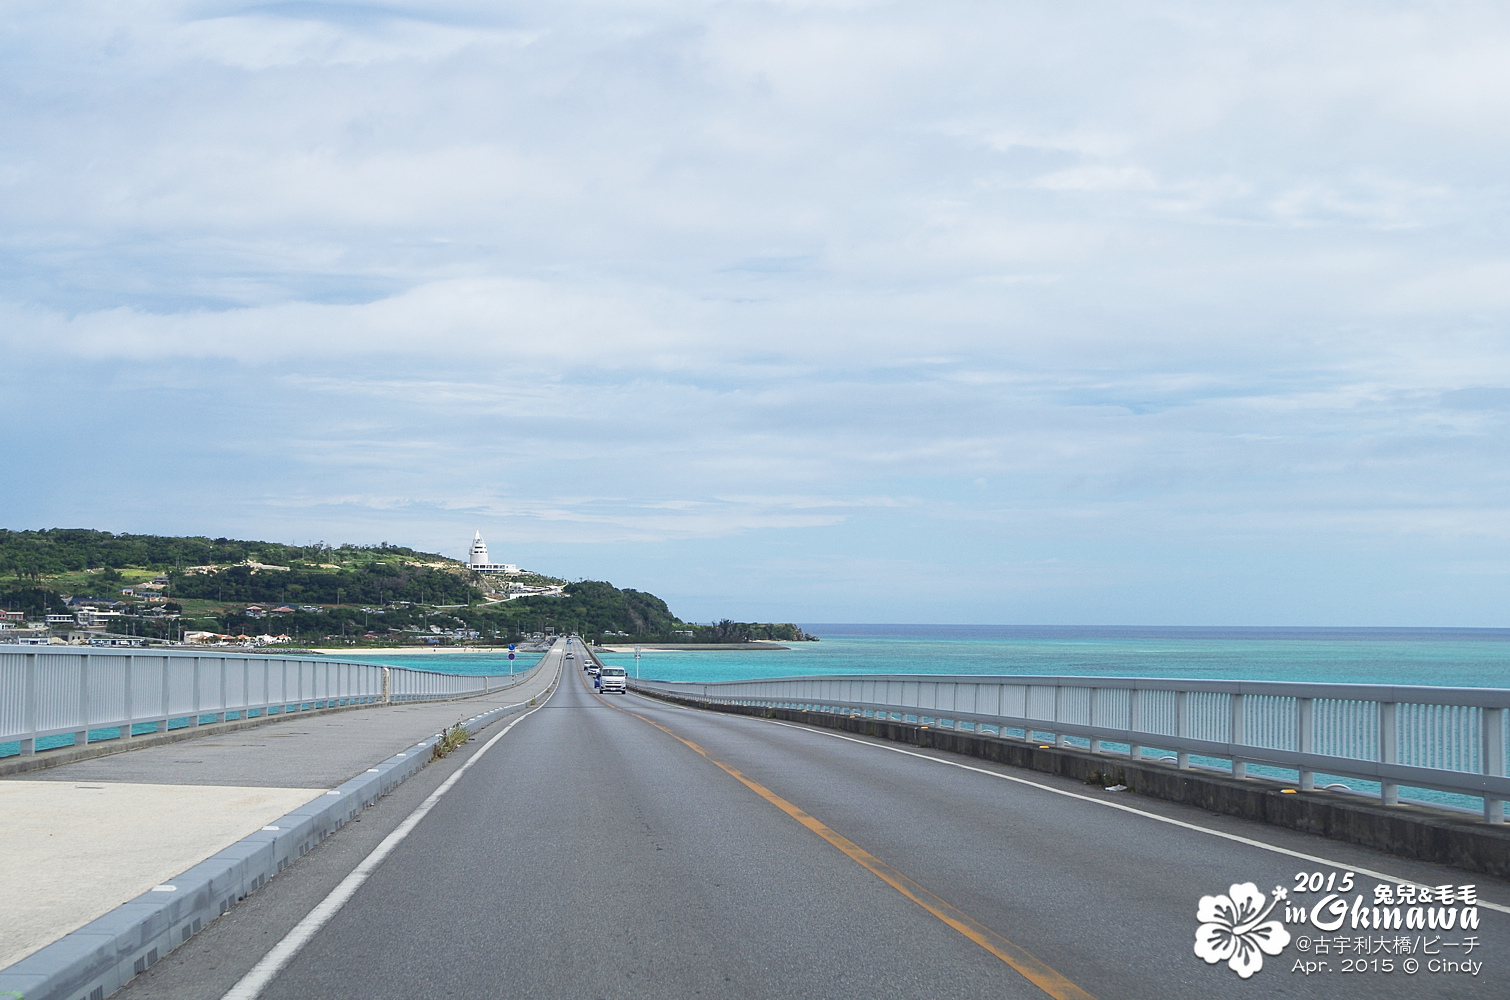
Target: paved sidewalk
(83, 838)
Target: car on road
(592, 670)
(614, 680)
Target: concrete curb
(1407, 831)
(102, 956)
(58, 756)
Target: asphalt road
(593, 853)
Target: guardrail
(1446, 739)
(47, 692)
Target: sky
(1017, 313)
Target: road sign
(511, 647)
(511, 656)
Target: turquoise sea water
(456, 663)
(1453, 657)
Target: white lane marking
(1129, 809)
(254, 982)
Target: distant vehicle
(614, 680)
(592, 670)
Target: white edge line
(251, 985)
(1129, 809)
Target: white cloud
(1101, 177)
(459, 320)
(268, 41)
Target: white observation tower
(478, 562)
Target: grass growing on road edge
(449, 740)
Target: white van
(613, 680)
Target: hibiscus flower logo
(1234, 929)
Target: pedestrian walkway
(83, 838)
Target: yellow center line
(1036, 971)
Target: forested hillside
(372, 583)
(32, 555)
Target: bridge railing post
(1492, 729)
(1305, 737)
(81, 736)
(166, 695)
(126, 701)
(1236, 736)
(29, 708)
(1182, 727)
(1389, 749)
(198, 693)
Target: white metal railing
(49, 692)
(1446, 739)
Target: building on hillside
(478, 561)
(94, 618)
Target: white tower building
(478, 561)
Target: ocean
(1452, 657)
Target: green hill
(57, 552)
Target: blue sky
(957, 312)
